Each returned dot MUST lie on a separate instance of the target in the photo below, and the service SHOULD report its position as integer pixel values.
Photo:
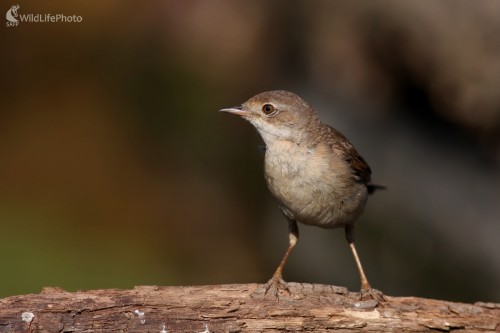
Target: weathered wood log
(238, 308)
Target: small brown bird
(311, 168)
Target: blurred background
(117, 170)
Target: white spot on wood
(206, 329)
(141, 316)
(27, 317)
(163, 330)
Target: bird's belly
(313, 193)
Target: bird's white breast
(310, 183)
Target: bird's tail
(374, 187)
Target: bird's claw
(367, 294)
(273, 288)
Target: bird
(312, 169)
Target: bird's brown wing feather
(342, 146)
(360, 168)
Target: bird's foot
(369, 298)
(275, 287)
(367, 294)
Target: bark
(238, 308)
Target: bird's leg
(349, 233)
(366, 288)
(276, 282)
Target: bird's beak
(236, 110)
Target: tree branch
(237, 308)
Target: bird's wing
(359, 167)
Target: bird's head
(277, 115)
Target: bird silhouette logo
(11, 16)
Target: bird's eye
(268, 108)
